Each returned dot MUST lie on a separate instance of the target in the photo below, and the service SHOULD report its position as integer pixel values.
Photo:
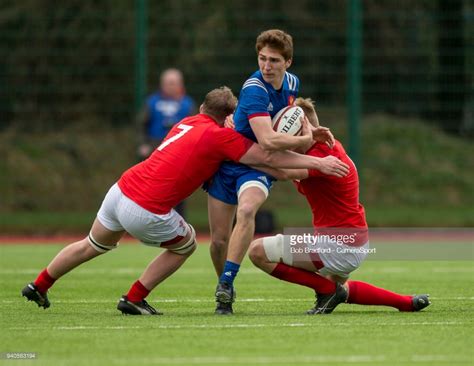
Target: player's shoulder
(206, 124)
(201, 119)
(255, 84)
(292, 81)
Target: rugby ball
(287, 120)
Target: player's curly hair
(307, 104)
(219, 103)
(276, 39)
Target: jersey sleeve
(293, 84)
(229, 144)
(314, 173)
(254, 99)
(320, 150)
(317, 153)
(297, 87)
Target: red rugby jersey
(334, 201)
(190, 154)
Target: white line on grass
(230, 326)
(254, 360)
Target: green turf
(82, 326)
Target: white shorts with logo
(118, 212)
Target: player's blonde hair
(278, 40)
(219, 103)
(307, 104)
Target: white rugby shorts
(341, 260)
(335, 259)
(118, 212)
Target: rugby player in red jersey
(141, 202)
(324, 260)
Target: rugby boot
(136, 308)
(225, 296)
(420, 302)
(326, 303)
(32, 293)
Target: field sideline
(82, 327)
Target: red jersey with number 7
(190, 154)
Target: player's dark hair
(276, 39)
(219, 103)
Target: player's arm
(329, 165)
(285, 174)
(254, 100)
(270, 140)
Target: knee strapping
(189, 245)
(276, 251)
(101, 248)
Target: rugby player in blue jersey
(239, 189)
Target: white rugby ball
(287, 120)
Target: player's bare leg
(250, 201)
(221, 217)
(163, 266)
(99, 241)
(82, 251)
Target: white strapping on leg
(101, 248)
(253, 183)
(189, 245)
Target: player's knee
(273, 250)
(257, 252)
(219, 241)
(246, 212)
(189, 245)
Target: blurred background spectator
(162, 110)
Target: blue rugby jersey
(259, 98)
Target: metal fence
(63, 63)
(88, 64)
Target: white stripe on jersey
(254, 82)
(291, 81)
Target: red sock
(44, 281)
(137, 292)
(363, 293)
(305, 278)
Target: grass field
(82, 327)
